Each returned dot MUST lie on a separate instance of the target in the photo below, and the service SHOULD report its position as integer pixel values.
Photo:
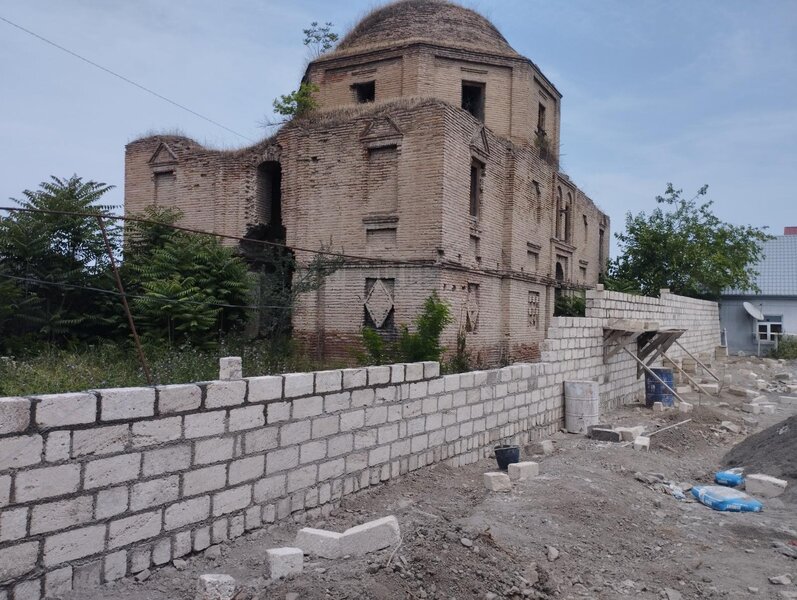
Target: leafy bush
(787, 348)
(570, 305)
(423, 344)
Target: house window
(534, 309)
(770, 329)
(165, 189)
(476, 175)
(473, 98)
(541, 119)
(364, 92)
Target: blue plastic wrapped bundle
(731, 477)
(726, 499)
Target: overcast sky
(685, 91)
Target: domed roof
(437, 21)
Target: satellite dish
(753, 311)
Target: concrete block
(160, 431)
(378, 375)
(62, 514)
(711, 388)
(605, 435)
(629, 434)
(751, 408)
(47, 482)
(178, 398)
(205, 424)
(20, 451)
(413, 372)
(111, 502)
(523, 470)
(215, 587)
(683, 389)
(109, 471)
(431, 369)
(308, 407)
(658, 407)
(262, 389)
(57, 410)
(354, 378)
(284, 562)
(58, 582)
(100, 440)
(278, 411)
(319, 542)
(154, 492)
(187, 512)
(115, 566)
(162, 551)
(245, 469)
(764, 486)
(13, 524)
(328, 381)
(27, 590)
(87, 576)
(207, 479)
(57, 446)
(134, 529)
(14, 415)
(126, 403)
(370, 537)
(247, 417)
(230, 367)
(642, 443)
(72, 545)
(224, 393)
(298, 384)
(18, 560)
(231, 500)
(497, 482)
(167, 460)
(685, 407)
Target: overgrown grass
(52, 370)
(787, 348)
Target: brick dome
(435, 21)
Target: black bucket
(506, 455)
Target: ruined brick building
(435, 150)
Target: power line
(125, 79)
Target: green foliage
(52, 255)
(461, 360)
(683, 246)
(298, 103)
(189, 287)
(319, 38)
(50, 369)
(787, 348)
(570, 305)
(423, 344)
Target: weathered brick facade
(434, 150)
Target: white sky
(687, 91)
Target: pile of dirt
(772, 451)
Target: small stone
(780, 580)
(215, 587)
(752, 590)
(730, 426)
(180, 564)
(142, 576)
(672, 594)
(553, 553)
(213, 553)
(466, 542)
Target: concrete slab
(764, 486)
(523, 470)
(370, 537)
(497, 482)
(319, 542)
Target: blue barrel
(655, 391)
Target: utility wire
(125, 79)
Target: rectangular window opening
(473, 98)
(541, 119)
(534, 309)
(364, 92)
(476, 174)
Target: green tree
(53, 252)
(188, 287)
(298, 103)
(682, 245)
(319, 38)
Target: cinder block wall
(99, 485)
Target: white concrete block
(230, 367)
(764, 486)
(108, 471)
(658, 407)
(100, 440)
(14, 415)
(127, 403)
(75, 544)
(57, 410)
(754, 409)
(247, 417)
(205, 424)
(186, 512)
(57, 446)
(133, 529)
(224, 393)
(47, 482)
(328, 381)
(264, 388)
(284, 562)
(160, 431)
(642, 443)
(58, 582)
(13, 524)
(629, 434)
(319, 542)
(523, 470)
(215, 587)
(20, 451)
(178, 398)
(298, 384)
(28, 590)
(497, 482)
(685, 407)
(371, 536)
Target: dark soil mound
(772, 452)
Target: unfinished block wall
(99, 485)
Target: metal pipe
(697, 360)
(659, 379)
(121, 289)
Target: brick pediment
(479, 143)
(163, 156)
(381, 128)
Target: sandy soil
(594, 524)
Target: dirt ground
(596, 523)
